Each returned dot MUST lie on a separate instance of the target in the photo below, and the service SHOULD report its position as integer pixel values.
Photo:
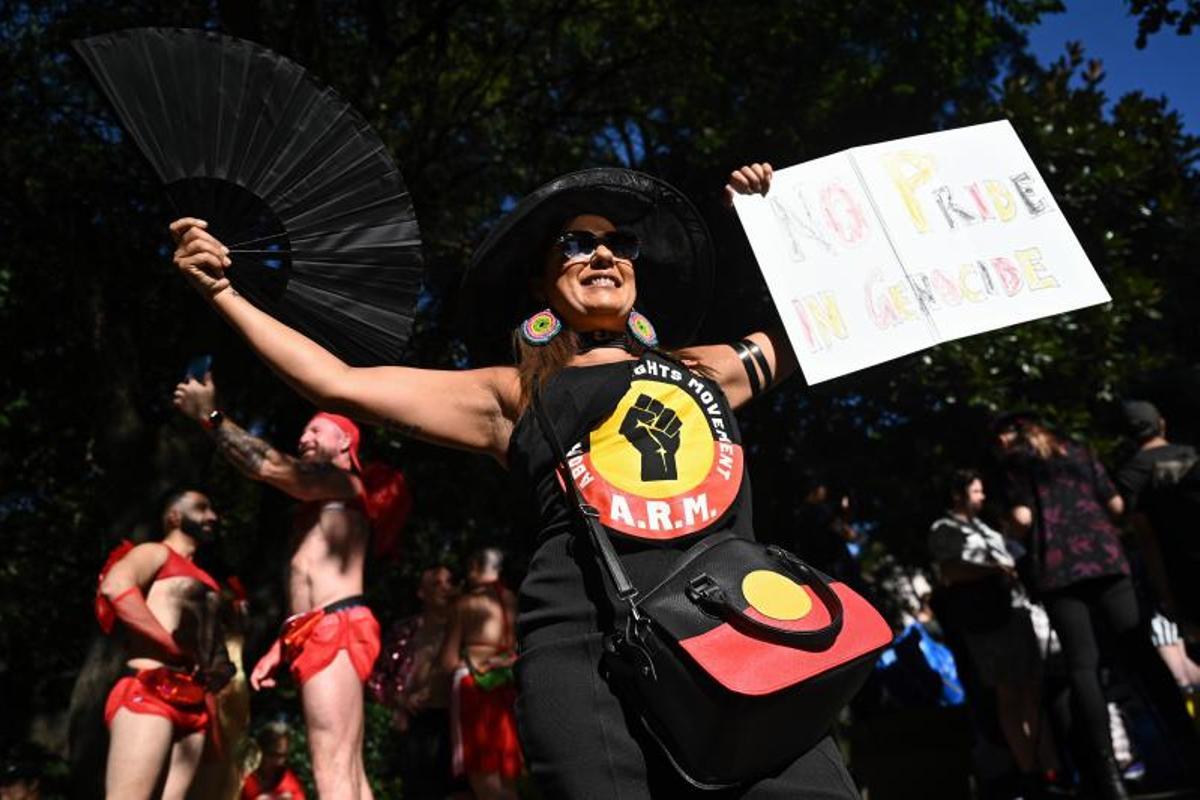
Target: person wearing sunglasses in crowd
(653, 420)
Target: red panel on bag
(751, 666)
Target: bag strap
(591, 517)
(704, 592)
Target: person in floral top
(1063, 504)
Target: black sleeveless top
(656, 449)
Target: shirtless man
(331, 640)
(479, 650)
(158, 712)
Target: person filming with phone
(331, 640)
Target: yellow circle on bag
(776, 596)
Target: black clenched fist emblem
(654, 430)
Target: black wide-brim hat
(674, 269)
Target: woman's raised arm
(752, 365)
(468, 409)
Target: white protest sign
(888, 249)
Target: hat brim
(674, 269)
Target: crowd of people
(1114, 607)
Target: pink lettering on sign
(879, 306)
(843, 215)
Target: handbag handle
(706, 593)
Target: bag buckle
(589, 510)
(704, 592)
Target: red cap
(347, 427)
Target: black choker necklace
(591, 340)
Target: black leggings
(1076, 612)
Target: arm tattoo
(244, 451)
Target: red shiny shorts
(163, 694)
(354, 630)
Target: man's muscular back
(481, 628)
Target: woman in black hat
(655, 447)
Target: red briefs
(140, 694)
(487, 729)
(354, 630)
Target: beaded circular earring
(541, 328)
(642, 330)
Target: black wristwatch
(214, 419)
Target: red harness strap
(177, 566)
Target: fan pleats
(288, 175)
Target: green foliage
(1154, 14)
(479, 103)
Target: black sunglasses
(581, 244)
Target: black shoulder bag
(739, 660)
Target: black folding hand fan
(321, 230)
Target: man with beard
(159, 710)
(331, 640)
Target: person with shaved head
(331, 640)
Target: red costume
(252, 789)
(485, 734)
(482, 713)
(310, 641)
(165, 692)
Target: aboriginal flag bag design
(739, 660)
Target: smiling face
(593, 292)
(323, 441)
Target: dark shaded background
(479, 103)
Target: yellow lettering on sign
(823, 310)
(1030, 260)
(1002, 200)
(900, 301)
(908, 170)
(964, 272)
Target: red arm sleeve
(130, 607)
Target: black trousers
(1109, 605)
(580, 742)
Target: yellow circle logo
(656, 443)
(775, 595)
